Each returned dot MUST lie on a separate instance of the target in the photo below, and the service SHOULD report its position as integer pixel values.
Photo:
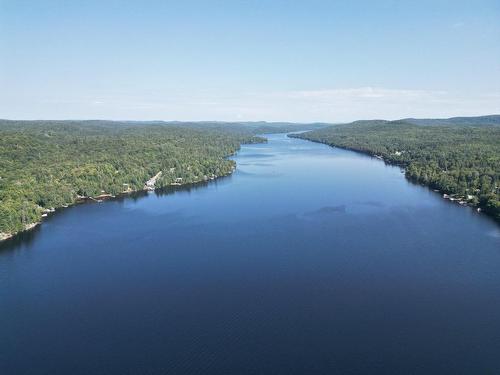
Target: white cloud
(458, 25)
(374, 102)
(329, 105)
(362, 92)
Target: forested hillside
(490, 120)
(459, 160)
(50, 164)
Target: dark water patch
(255, 156)
(294, 266)
(372, 203)
(327, 210)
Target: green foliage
(48, 164)
(455, 159)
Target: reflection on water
(307, 259)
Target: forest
(45, 165)
(461, 160)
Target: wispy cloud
(458, 25)
(329, 104)
(363, 93)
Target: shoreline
(148, 187)
(452, 198)
(109, 197)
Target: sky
(236, 60)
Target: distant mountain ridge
(489, 120)
(476, 121)
(274, 126)
(254, 127)
(459, 156)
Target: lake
(307, 260)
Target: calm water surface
(308, 260)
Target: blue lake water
(307, 260)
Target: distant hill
(490, 120)
(253, 127)
(478, 121)
(460, 156)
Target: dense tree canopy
(463, 160)
(49, 164)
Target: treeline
(463, 161)
(50, 164)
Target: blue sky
(314, 60)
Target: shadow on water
(339, 266)
(20, 241)
(470, 210)
(23, 240)
(327, 210)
